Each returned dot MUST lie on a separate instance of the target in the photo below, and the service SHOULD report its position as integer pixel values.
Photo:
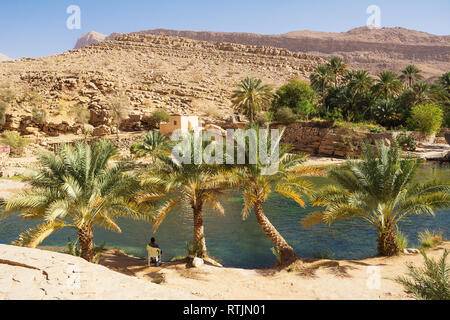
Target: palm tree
(152, 145)
(190, 184)
(338, 68)
(358, 93)
(77, 188)
(257, 185)
(321, 80)
(420, 93)
(359, 82)
(444, 80)
(251, 96)
(379, 190)
(411, 74)
(388, 85)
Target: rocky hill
(364, 48)
(375, 50)
(146, 72)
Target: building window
(175, 123)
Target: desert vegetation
(379, 190)
(76, 188)
(430, 282)
(390, 100)
(399, 102)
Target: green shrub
(158, 116)
(33, 98)
(406, 142)
(387, 113)
(38, 115)
(118, 109)
(192, 251)
(262, 119)
(285, 115)
(73, 248)
(376, 130)
(15, 141)
(401, 240)
(427, 118)
(276, 253)
(432, 282)
(79, 113)
(296, 95)
(334, 115)
(429, 239)
(7, 95)
(3, 109)
(323, 255)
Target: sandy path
(320, 279)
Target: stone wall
(324, 139)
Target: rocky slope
(146, 72)
(33, 274)
(371, 49)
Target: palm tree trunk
(86, 239)
(387, 244)
(199, 232)
(287, 254)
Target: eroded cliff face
(374, 50)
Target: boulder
(98, 117)
(197, 262)
(411, 251)
(101, 131)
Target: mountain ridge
(366, 48)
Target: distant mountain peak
(93, 37)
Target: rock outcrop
(322, 138)
(33, 274)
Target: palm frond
(162, 213)
(33, 237)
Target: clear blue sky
(35, 28)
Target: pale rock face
(197, 262)
(91, 37)
(34, 274)
(94, 37)
(411, 251)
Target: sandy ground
(323, 161)
(313, 279)
(9, 187)
(34, 274)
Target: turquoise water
(238, 243)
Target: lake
(238, 243)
